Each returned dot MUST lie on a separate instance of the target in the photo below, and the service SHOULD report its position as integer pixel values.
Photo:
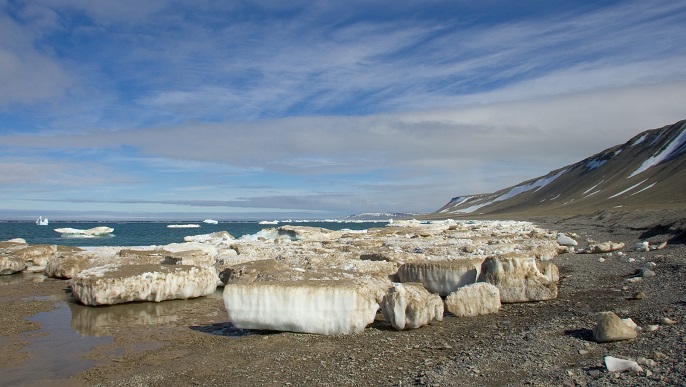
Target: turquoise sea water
(146, 233)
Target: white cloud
(407, 111)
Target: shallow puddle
(55, 350)
(21, 277)
(70, 331)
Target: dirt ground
(182, 343)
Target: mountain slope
(646, 172)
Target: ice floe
(69, 232)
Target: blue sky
(302, 109)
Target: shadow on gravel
(675, 232)
(581, 334)
(230, 330)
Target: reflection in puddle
(55, 350)
(21, 277)
(71, 330)
(98, 320)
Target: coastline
(539, 343)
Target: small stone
(660, 355)
(632, 280)
(667, 321)
(614, 364)
(583, 352)
(601, 259)
(646, 362)
(652, 328)
(639, 295)
(641, 246)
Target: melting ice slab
(91, 232)
(117, 284)
(324, 307)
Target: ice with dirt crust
(442, 277)
(410, 306)
(117, 284)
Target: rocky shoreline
(534, 343)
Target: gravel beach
(541, 343)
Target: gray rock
(609, 327)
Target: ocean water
(147, 233)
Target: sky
(317, 109)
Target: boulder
(116, 284)
(410, 306)
(518, 278)
(323, 307)
(441, 277)
(474, 300)
(609, 327)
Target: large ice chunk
(16, 256)
(116, 284)
(410, 306)
(474, 300)
(324, 307)
(90, 233)
(518, 278)
(441, 277)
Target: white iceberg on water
(89, 233)
(183, 225)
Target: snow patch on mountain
(640, 140)
(592, 188)
(627, 190)
(594, 163)
(643, 189)
(536, 185)
(674, 147)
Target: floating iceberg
(94, 232)
(210, 221)
(183, 226)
